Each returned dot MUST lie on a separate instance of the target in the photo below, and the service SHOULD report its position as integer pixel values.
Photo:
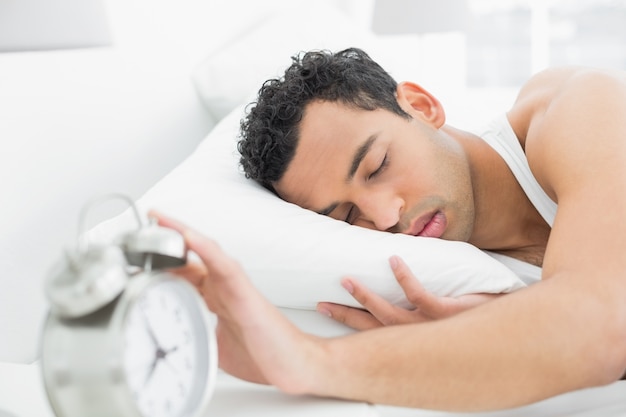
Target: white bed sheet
(22, 395)
(609, 401)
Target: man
(338, 136)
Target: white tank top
(500, 136)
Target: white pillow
(294, 256)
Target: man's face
(377, 170)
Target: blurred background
(509, 40)
(502, 43)
(490, 43)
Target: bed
(155, 116)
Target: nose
(379, 210)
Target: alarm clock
(124, 337)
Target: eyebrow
(359, 155)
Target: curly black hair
(269, 132)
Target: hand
(378, 312)
(255, 341)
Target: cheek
(450, 166)
(416, 176)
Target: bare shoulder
(553, 81)
(575, 142)
(561, 112)
(544, 89)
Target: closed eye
(349, 215)
(380, 169)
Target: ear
(418, 102)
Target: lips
(430, 225)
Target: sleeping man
(545, 183)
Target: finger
(208, 250)
(227, 289)
(219, 264)
(427, 303)
(194, 272)
(382, 310)
(167, 221)
(352, 317)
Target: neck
(505, 220)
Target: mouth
(430, 225)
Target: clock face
(166, 350)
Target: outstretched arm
(538, 342)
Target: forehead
(330, 135)
(332, 126)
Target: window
(509, 40)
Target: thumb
(207, 249)
(204, 247)
(195, 242)
(166, 221)
(218, 262)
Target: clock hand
(167, 352)
(151, 370)
(149, 329)
(170, 350)
(158, 355)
